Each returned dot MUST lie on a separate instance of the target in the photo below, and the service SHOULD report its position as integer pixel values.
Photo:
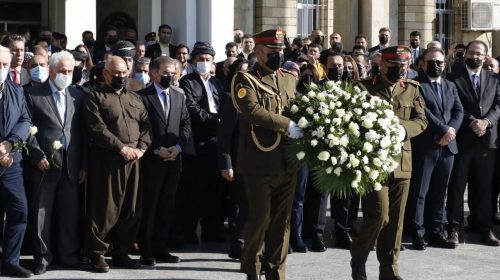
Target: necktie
(477, 86)
(166, 103)
(414, 56)
(17, 80)
(61, 108)
(437, 88)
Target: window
(19, 16)
(444, 22)
(307, 17)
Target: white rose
(333, 160)
(385, 142)
(324, 156)
(377, 187)
(338, 171)
(300, 155)
(316, 117)
(294, 109)
(329, 170)
(402, 133)
(344, 140)
(366, 168)
(321, 96)
(367, 124)
(343, 157)
(33, 130)
(311, 94)
(314, 142)
(382, 154)
(377, 162)
(347, 117)
(331, 105)
(358, 175)
(365, 160)
(303, 123)
(310, 110)
(335, 141)
(389, 113)
(336, 121)
(357, 89)
(305, 99)
(330, 84)
(367, 147)
(373, 174)
(358, 111)
(353, 161)
(313, 86)
(57, 145)
(339, 104)
(340, 112)
(353, 127)
(327, 120)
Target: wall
(270, 14)
(244, 19)
(416, 15)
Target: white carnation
(316, 117)
(382, 154)
(324, 156)
(358, 111)
(377, 162)
(365, 105)
(367, 147)
(371, 135)
(344, 140)
(373, 174)
(57, 145)
(389, 113)
(340, 112)
(311, 94)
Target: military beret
(123, 49)
(272, 38)
(80, 56)
(202, 48)
(396, 54)
(151, 36)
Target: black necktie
(477, 86)
(437, 88)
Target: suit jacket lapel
(483, 84)
(154, 99)
(70, 106)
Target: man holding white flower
(56, 165)
(260, 97)
(383, 210)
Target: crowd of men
(123, 146)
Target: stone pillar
(416, 15)
(495, 52)
(346, 22)
(326, 19)
(270, 14)
(148, 17)
(181, 16)
(372, 16)
(244, 19)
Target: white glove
(402, 133)
(294, 131)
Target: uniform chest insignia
(242, 92)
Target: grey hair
(57, 57)
(5, 51)
(143, 61)
(436, 44)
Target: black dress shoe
(453, 237)
(440, 241)
(343, 240)
(124, 261)
(39, 269)
(490, 239)
(149, 261)
(358, 271)
(235, 251)
(298, 244)
(99, 264)
(252, 277)
(16, 271)
(166, 257)
(318, 245)
(418, 243)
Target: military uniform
(260, 97)
(384, 210)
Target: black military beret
(123, 49)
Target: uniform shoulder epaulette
(412, 82)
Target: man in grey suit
(54, 174)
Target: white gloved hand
(402, 133)
(294, 131)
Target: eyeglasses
(438, 62)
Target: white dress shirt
(211, 101)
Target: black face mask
(459, 54)
(118, 82)
(375, 70)
(77, 75)
(348, 75)
(395, 73)
(433, 70)
(474, 62)
(414, 44)
(274, 61)
(360, 70)
(112, 41)
(165, 81)
(335, 74)
(383, 40)
(318, 40)
(237, 39)
(89, 43)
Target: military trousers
(270, 199)
(383, 216)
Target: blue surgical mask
(39, 74)
(142, 77)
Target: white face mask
(4, 72)
(62, 81)
(142, 77)
(203, 67)
(39, 74)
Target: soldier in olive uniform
(384, 210)
(260, 97)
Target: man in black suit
(163, 47)
(54, 175)
(433, 153)
(204, 189)
(231, 51)
(170, 131)
(479, 92)
(384, 36)
(416, 50)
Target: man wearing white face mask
(203, 191)
(141, 74)
(38, 66)
(55, 174)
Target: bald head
(115, 63)
(115, 67)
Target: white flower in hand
(57, 145)
(33, 130)
(300, 155)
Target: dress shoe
(358, 271)
(490, 239)
(298, 244)
(124, 261)
(343, 240)
(235, 250)
(402, 247)
(317, 244)
(39, 269)
(149, 261)
(99, 264)
(166, 257)
(440, 241)
(16, 271)
(252, 277)
(418, 243)
(453, 237)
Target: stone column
(416, 15)
(326, 19)
(372, 16)
(244, 11)
(496, 44)
(148, 17)
(346, 21)
(271, 14)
